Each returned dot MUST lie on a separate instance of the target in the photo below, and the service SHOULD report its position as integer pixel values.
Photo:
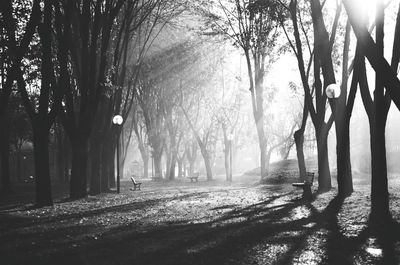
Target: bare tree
(387, 87)
(253, 26)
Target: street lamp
(118, 120)
(333, 91)
(230, 139)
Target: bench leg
(307, 193)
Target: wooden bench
(135, 184)
(306, 185)
(194, 176)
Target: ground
(209, 222)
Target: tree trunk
(180, 168)
(5, 154)
(157, 165)
(42, 171)
(78, 182)
(191, 167)
(263, 152)
(105, 168)
(267, 160)
(324, 175)
(145, 166)
(60, 157)
(168, 158)
(19, 162)
(95, 158)
(227, 163)
(173, 165)
(299, 141)
(67, 159)
(110, 163)
(344, 175)
(379, 189)
(207, 162)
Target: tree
(318, 111)
(253, 27)
(377, 108)
(49, 103)
(132, 35)
(90, 29)
(13, 52)
(140, 131)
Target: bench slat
(135, 184)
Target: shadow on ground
(278, 230)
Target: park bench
(135, 184)
(194, 176)
(306, 185)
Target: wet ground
(180, 222)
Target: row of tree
(78, 63)
(253, 25)
(75, 62)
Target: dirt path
(200, 223)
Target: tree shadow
(275, 231)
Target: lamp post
(333, 91)
(118, 120)
(152, 163)
(230, 139)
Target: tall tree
(377, 108)
(90, 25)
(15, 52)
(252, 25)
(49, 101)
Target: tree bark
(324, 175)
(344, 175)
(379, 182)
(157, 165)
(95, 158)
(299, 141)
(343, 108)
(207, 162)
(5, 154)
(145, 166)
(80, 154)
(42, 172)
(105, 167)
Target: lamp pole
(230, 161)
(230, 140)
(118, 176)
(118, 120)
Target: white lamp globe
(118, 120)
(333, 91)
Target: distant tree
(253, 26)
(191, 150)
(228, 117)
(139, 128)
